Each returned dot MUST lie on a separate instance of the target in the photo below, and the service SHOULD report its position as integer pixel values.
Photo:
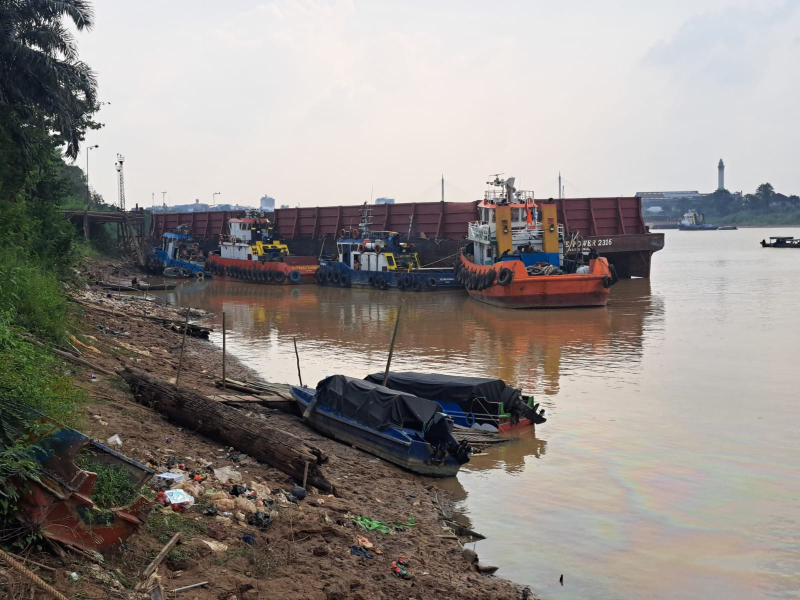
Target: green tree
(764, 195)
(41, 76)
(721, 202)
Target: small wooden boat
(475, 402)
(403, 429)
(781, 242)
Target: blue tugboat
(179, 256)
(406, 430)
(381, 260)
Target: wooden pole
(391, 347)
(183, 345)
(297, 356)
(305, 475)
(223, 351)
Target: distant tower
(120, 181)
(721, 169)
(559, 185)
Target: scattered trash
(167, 479)
(384, 527)
(362, 541)
(209, 510)
(93, 378)
(188, 587)
(168, 440)
(179, 499)
(74, 577)
(299, 492)
(357, 550)
(227, 474)
(399, 568)
(249, 539)
(115, 440)
(238, 490)
(260, 520)
(215, 546)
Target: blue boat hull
(194, 268)
(417, 281)
(403, 447)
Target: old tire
(279, 276)
(505, 276)
(382, 283)
(432, 283)
(344, 280)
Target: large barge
(614, 227)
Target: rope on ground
(32, 577)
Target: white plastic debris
(115, 440)
(179, 497)
(168, 479)
(226, 474)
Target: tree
(764, 195)
(721, 202)
(41, 77)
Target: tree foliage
(41, 77)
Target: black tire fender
(505, 276)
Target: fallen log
(279, 449)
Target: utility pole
(442, 187)
(214, 198)
(163, 199)
(559, 185)
(120, 182)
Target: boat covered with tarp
(477, 402)
(404, 429)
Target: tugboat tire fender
(279, 276)
(613, 270)
(200, 275)
(407, 280)
(344, 280)
(294, 276)
(382, 283)
(505, 276)
(417, 285)
(432, 283)
(607, 283)
(336, 276)
(490, 277)
(371, 280)
(329, 274)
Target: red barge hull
(275, 273)
(543, 291)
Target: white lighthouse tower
(721, 177)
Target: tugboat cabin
(381, 251)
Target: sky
(319, 102)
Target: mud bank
(305, 553)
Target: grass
(164, 524)
(261, 559)
(113, 486)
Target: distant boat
(781, 242)
(728, 228)
(695, 221)
(403, 429)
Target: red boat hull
(265, 273)
(544, 291)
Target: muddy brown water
(670, 463)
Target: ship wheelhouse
(377, 251)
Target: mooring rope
(32, 577)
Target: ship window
(390, 261)
(515, 214)
(491, 216)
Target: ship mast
(120, 182)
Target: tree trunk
(279, 449)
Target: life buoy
(432, 283)
(294, 276)
(279, 276)
(344, 233)
(200, 275)
(505, 276)
(356, 233)
(344, 280)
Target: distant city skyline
(319, 102)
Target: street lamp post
(88, 194)
(163, 201)
(214, 198)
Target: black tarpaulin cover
(374, 405)
(443, 388)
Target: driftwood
(279, 449)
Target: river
(670, 463)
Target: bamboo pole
(183, 346)
(391, 346)
(224, 378)
(297, 356)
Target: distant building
(267, 203)
(669, 200)
(384, 201)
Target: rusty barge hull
(612, 226)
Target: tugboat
(251, 253)
(381, 260)
(695, 221)
(179, 256)
(519, 261)
(783, 241)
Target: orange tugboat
(250, 253)
(519, 261)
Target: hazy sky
(316, 102)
